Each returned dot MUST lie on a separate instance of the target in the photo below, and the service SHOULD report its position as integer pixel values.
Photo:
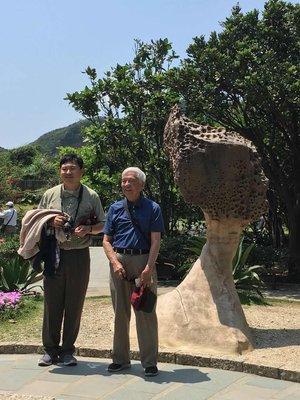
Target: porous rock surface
(219, 171)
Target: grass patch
(26, 321)
(26, 325)
(278, 302)
(102, 299)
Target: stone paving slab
(90, 380)
(220, 363)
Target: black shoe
(117, 367)
(47, 360)
(151, 371)
(69, 360)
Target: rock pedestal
(204, 311)
(220, 171)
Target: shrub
(173, 250)
(17, 274)
(247, 281)
(245, 275)
(8, 248)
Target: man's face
(70, 174)
(131, 186)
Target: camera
(68, 228)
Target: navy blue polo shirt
(146, 213)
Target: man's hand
(82, 230)
(58, 221)
(119, 271)
(146, 276)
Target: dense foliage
(247, 79)
(25, 168)
(128, 109)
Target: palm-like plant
(246, 278)
(17, 274)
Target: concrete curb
(174, 358)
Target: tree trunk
(294, 244)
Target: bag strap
(4, 226)
(135, 222)
(78, 201)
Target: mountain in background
(68, 136)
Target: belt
(132, 252)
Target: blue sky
(45, 44)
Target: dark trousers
(64, 295)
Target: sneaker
(69, 360)
(47, 360)
(151, 371)
(117, 367)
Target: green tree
(24, 155)
(128, 109)
(247, 79)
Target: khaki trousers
(146, 323)
(64, 295)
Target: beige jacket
(32, 224)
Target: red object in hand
(143, 299)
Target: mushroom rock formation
(220, 171)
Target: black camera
(68, 228)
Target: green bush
(17, 274)
(246, 277)
(173, 250)
(267, 256)
(264, 252)
(9, 246)
(32, 197)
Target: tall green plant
(194, 246)
(17, 274)
(246, 278)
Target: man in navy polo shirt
(131, 242)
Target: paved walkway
(19, 374)
(99, 277)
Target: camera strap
(79, 198)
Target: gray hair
(138, 173)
